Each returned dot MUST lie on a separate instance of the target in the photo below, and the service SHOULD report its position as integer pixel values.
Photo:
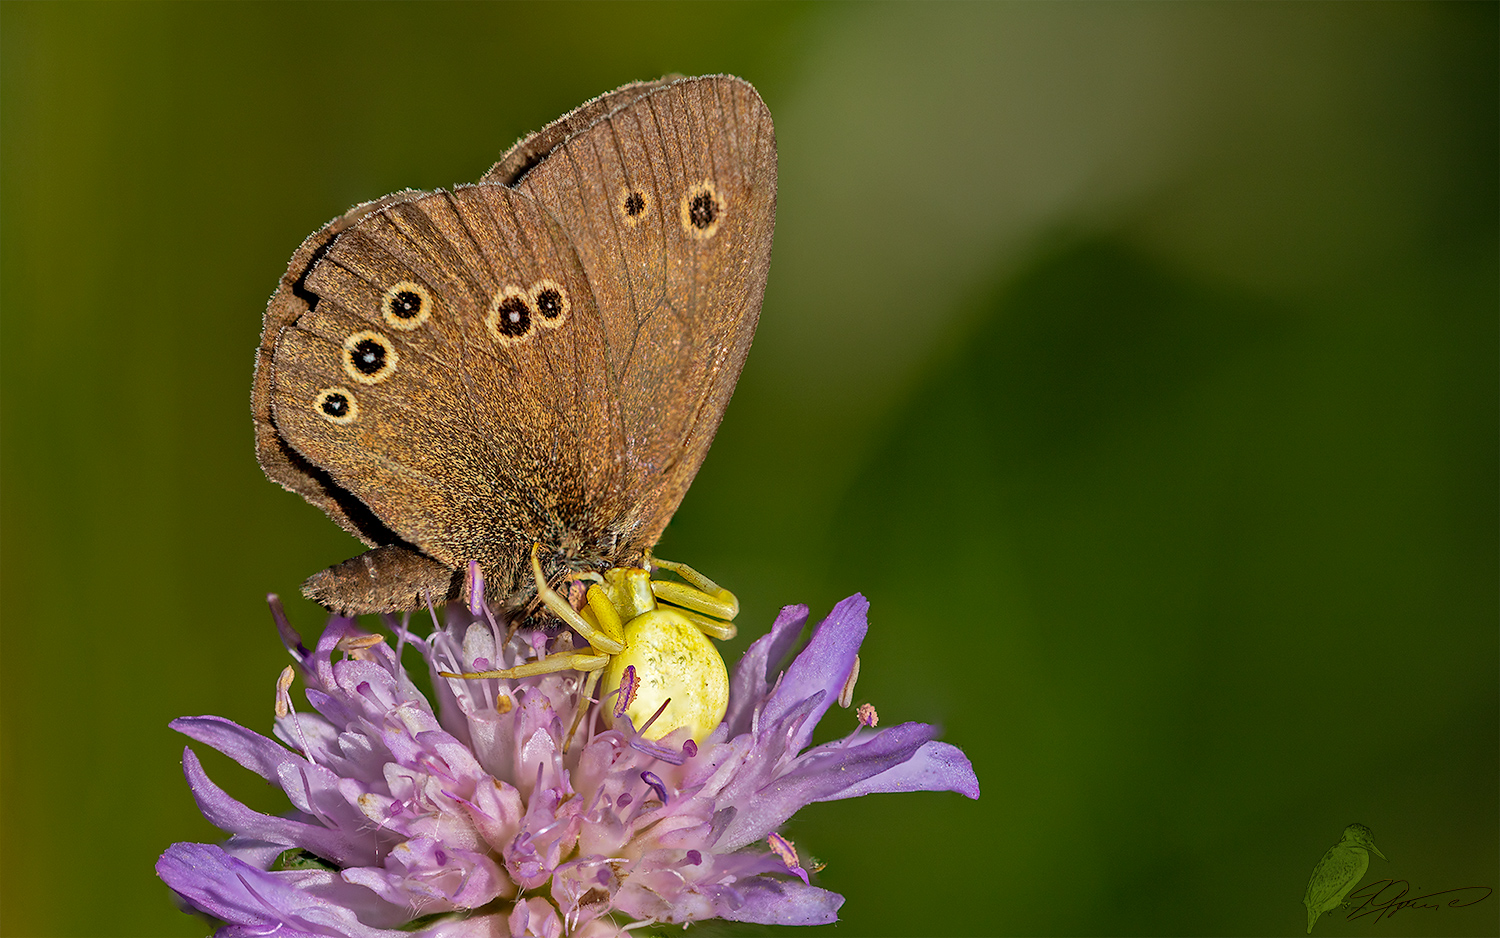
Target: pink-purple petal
(311, 788)
(822, 667)
(226, 813)
(424, 815)
(768, 901)
(752, 675)
(247, 747)
(259, 902)
(819, 775)
(936, 766)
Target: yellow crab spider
(678, 670)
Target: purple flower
(484, 818)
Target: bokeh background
(1137, 361)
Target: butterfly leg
(702, 596)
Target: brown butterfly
(541, 358)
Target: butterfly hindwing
(467, 436)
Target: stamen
(284, 708)
(283, 696)
(656, 751)
(625, 694)
(437, 626)
(355, 646)
(585, 701)
(398, 629)
(867, 715)
(783, 848)
(641, 744)
(846, 696)
(689, 748)
(650, 778)
(659, 711)
(474, 588)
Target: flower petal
(823, 666)
(270, 903)
(821, 774)
(935, 767)
(247, 747)
(535, 918)
(751, 675)
(224, 812)
(424, 874)
(312, 788)
(422, 815)
(768, 901)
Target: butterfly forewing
(670, 200)
(527, 153)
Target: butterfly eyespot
(369, 357)
(701, 210)
(510, 316)
(633, 205)
(336, 405)
(406, 305)
(551, 302)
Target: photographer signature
(1386, 897)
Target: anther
(867, 715)
(283, 691)
(474, 588)
(356, 646)
(846, 696)
(625, 693)
(289, 635)
(784, 849)
(651, 779)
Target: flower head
(483, 817)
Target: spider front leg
(681, 681)
(605, 634)
(606, 638)
(562, 661)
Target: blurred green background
(1137, 361)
